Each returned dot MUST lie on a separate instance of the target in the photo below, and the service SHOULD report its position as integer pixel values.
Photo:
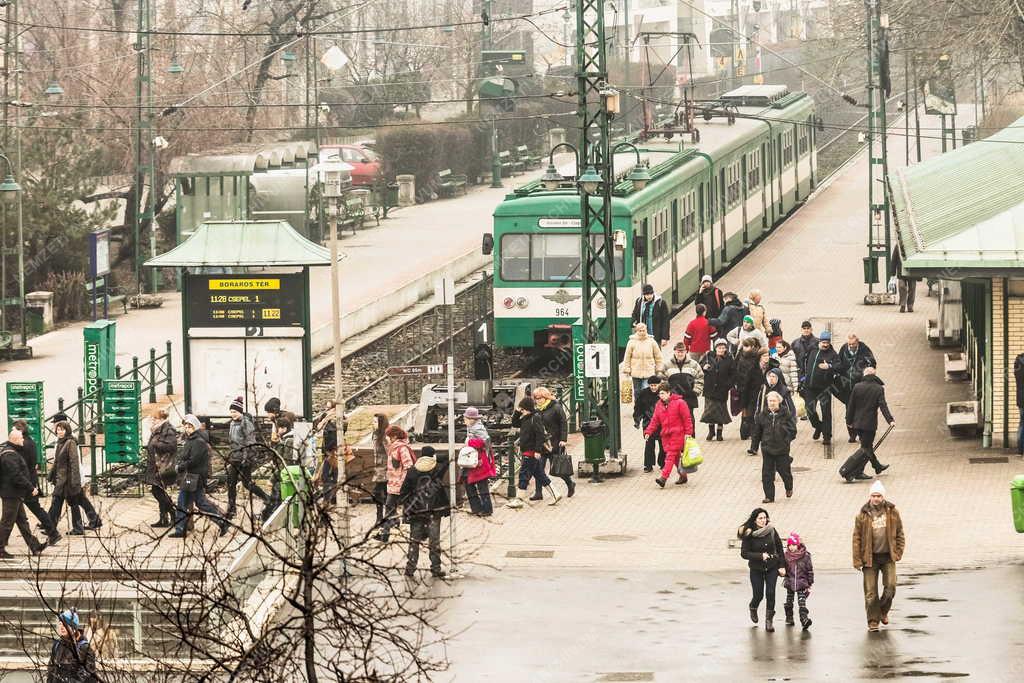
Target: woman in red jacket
(673, 420)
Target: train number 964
(562, 312)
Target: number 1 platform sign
(597, 360)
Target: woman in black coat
(160, 451)
(719, 370)
(762, 548)
(749, 378)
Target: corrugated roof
(242, 158)
(244, 243)
(966, 207)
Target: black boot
(768, 616)
(805, 618)
(789, 614)
(753, 614)
(719, 432)
(745, 428)
(711, 432)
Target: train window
(597, 272)
(659, 239)
(554, 257)
(515, 257)
(734, 189)
(753, 172)
(689, 216)
(802, 140)
(787, 148)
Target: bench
(509, 166)
(103, 296)
(450, 183)
(529, 161)
(351, 215)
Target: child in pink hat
(799, 579)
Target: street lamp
(638, 175)
(175, 66)
(54, 91)
(590, 180)
(552, 178)
(9, 188)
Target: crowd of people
(733, 358)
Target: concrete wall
(389, 305)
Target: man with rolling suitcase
(866, 399)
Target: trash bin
(293, 480)
(34, 320)
(595, 437)
(1017, 501)
(870, 270)
(391, 195)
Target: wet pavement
(531, 625)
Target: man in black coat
(804, 344)
(15, 486)
(710, 296)
(816, 377)
(651, 310)
(774, 430)
(194, 460)
(729, 317)
(425, 501)
(643, 412)
(866, 399)
(31, 456)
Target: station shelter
(960, 220)
(245, 315)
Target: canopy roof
(244, 243)
(964, 209)
(243, 158)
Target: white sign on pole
(597, 360)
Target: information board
(243, 300)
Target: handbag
(691, 453)
(190, 483)
(801, 407)
(561, 464)
(469, 458)
(734, 402)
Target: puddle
(667, 591)
(917, 616)
(925, 674)
(913, 631)
(922, 598)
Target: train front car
(537, 295)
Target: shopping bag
(625, 389)
(691, 453)
(801, 407)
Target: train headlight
(521, 302)
(601, 302)
(509, 302)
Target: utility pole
(734, 26)
(145, 166)
(596, 103)
(879, 232)
(917, 110)
(627, 48)
(486, 43)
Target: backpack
(422, 500)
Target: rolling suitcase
(857, 461)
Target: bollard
(117, 372)
(170, 385)
(135, 368)
(152, 375)
(80, 407)
(510, 452)
(93, 486)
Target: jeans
(198, 497)
(638, 386)
(14, 515)
(762, 583)
(380, 497)
(75, 502)
(770, 464)
(907, 291)
(390, 519)
(32, 505)
(424, 529)
(242, 473)
(875, 606)
(533, 468)
(823, 399)
(479, 494)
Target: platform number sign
(597, 360)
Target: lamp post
(331, 178)
(10, 193)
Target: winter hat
(721, 342)
(794, 539)
(191, 420)
(706, 278)
(472, 413)
(878, 487)
(825, 336)
(648, 289)
(272, 406)
(427, 452)
(653, 379)
(69, 618)
(748, 319)
(237, 405)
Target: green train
(706, 204)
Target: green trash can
(1017, 501)
(595, 438)
(293, 480)
(870, 270)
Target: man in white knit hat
(878, 544)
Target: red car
(367, 167)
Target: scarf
(794, 556)
(763, 531)
(543, 403)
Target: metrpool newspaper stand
(245, 315)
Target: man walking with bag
(878, 544)
(866, 399)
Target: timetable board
(246, 300)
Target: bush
(69, 299)
(422, 151)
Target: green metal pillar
(145, 166)
(486, 43)
(879, 221)
(600, 397)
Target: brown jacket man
(862, 535)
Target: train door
(674, 233)
(743, 184)
(701, 270)
(723, 206)
(796, 163)
(766, 184)
(782, 169)
(641, 267)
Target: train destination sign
(245, 300)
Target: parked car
(367, 166)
